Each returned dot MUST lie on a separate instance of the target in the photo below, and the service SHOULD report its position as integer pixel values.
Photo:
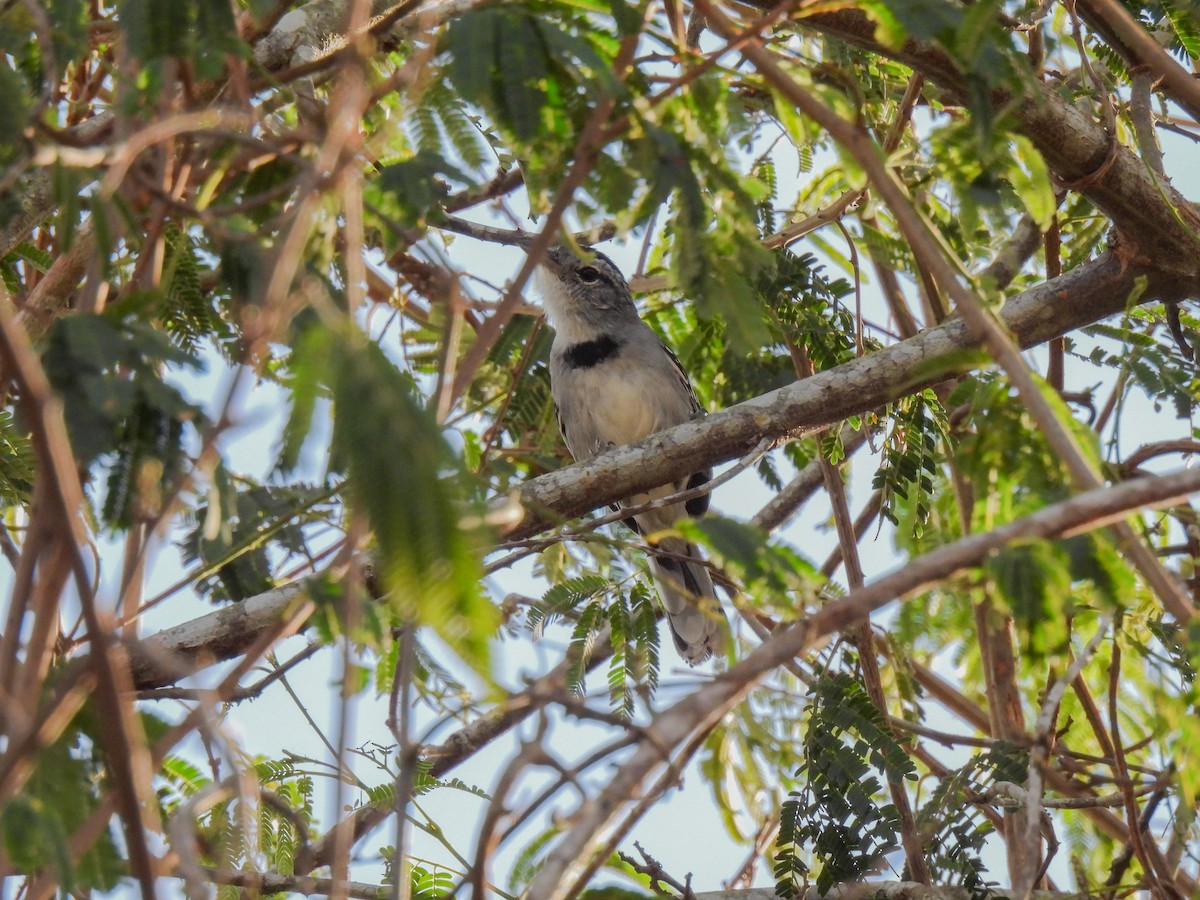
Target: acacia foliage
(291, 194)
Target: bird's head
(582, 290)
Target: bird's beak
(556, 258)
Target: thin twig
(1142, 114)
(1031, 838)
(408, 752)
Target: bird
(614, 381)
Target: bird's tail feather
(697, 622)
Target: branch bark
(883, 890)
(1080, 297)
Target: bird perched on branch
(614, 382)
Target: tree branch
(1093, 509)
(1080, 297)
(1139, 48)
(1163, 222)
(1084, 295)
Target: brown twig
(1140, 48)
(653, 870)
(1160, 882)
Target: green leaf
(14, 111)
(109, 375)
(838, 814)
(415, 183)
(61, 794)
(752, 555)
(1030, 178)
(307, 371)
(403, 476)
(1184, 18)
(200, 30)
(563, 597)
(1033, 578)
(17, 463)
(537, 78)
(1093, 558)
(530, 860)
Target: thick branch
(878, 890)
(176, 652)
(273, 883)
(1162, 221)
(1081, 297)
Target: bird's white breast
(623, 404)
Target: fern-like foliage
(431, 884)
(16, 462)
(422, 783)
(1150, 357)
(911, 456)
(806, 309)
(954, 830)
(188, 315)
(530, 860)
(838, 816)
(633, 631)
(241, 833)
(1184, 19)
(597, 607)
(108, 371)
(442, 123)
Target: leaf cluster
(108, 371)
(837, 818)
(600, 610)
(912, 456)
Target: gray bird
(614, 382)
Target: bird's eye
(589, 274)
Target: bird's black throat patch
(586, 354)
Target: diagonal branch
(981, 321)
(1082, 296)
(1166, 226)
(1094, 509)
(1139, 48)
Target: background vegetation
(850, 219)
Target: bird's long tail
(698, 624)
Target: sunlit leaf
(403, 476)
